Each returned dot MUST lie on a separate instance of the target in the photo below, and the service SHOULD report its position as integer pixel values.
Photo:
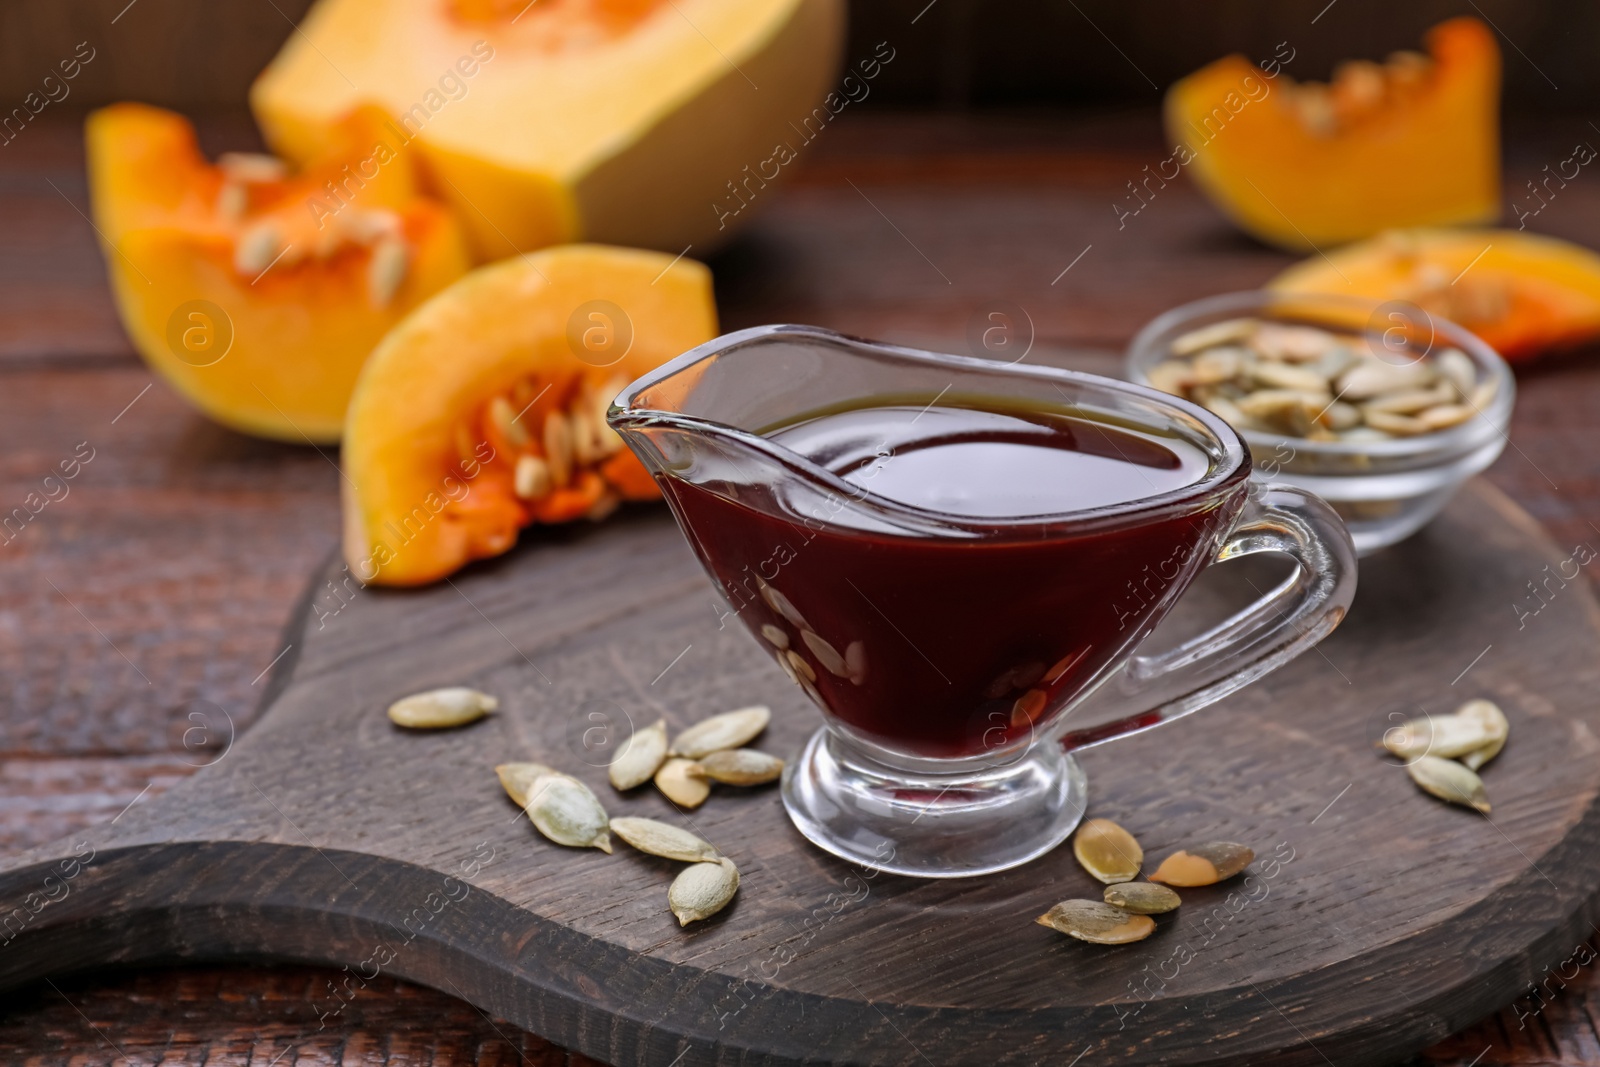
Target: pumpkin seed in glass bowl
(1382, 410)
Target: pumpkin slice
(255, 292)
(484, 410)
(637, 122)
(1413, 142)
(1521, 293)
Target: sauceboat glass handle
(1300, 611)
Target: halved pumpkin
(484, 410)
(257, 293)
(636, 122)
(1520, 292)
(1413, 142)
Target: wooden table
(155, 590)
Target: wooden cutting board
(1377, 920)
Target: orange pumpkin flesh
(1414, 142)
(255, 292)
(483, 411)
(1521, 293)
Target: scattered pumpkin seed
(1107, 851)
(1142, 898)
(641, 756)
(663, 839)
(731, 729)
(681, 787)
(439, 709)
(1494, 720)
(738, 766)
(518, 779)
(564, 810)
(1097, 922)
(1446, 736)
(702, 890)
(1207, 864)
(1449, 781)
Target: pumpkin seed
(1447, 736)
(774, 635)
(1373, 377)
(826, 654)
(1171, 376)
(798, 665)
(1395, 425)
(1142, 898)
(1097, 922)
(1495, 722)
(1445, 416)
(258, 248)
(855, 662)
(252, 168)
(558, 448)
(531, 479)
(663, 839)
(681, 787)
(738, 766)
(518, 779)
(1458, 369)
(1217, 333)
(368, 227)
(386, 270)
(564, 810)
(1295, 344)
(1217, 365)
(1206, 864)
(1410, 401)
(1285, 376)
(731, 729)
(782, 605)
(641, 756)
(1107, 851)
(702, 890)
(233, 200)
(1449, 781)
(504, 416)
(1341, 416)
(439, 709)
(1483, 394)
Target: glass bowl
(1385, 490)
